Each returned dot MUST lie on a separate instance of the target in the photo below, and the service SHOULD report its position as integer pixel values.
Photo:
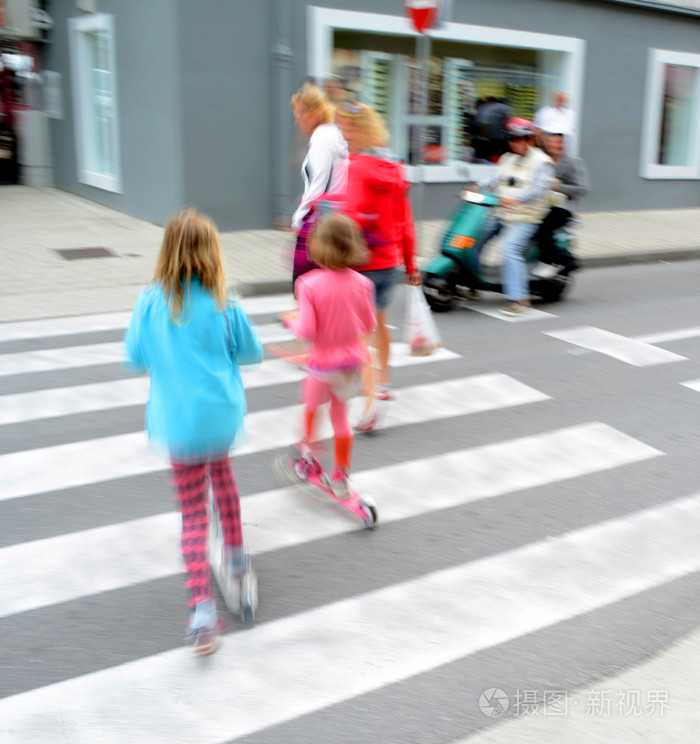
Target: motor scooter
(457, 272)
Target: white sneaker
(545, 271)
(515, 309)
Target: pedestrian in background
(324, 168)
(190, 339)
(557, 117)
(377, 199)
(335, 316)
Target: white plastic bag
(420, 331)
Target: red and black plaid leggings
(191, 482)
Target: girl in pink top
(335, 316)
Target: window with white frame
(376, 55)
(671, 129)
(454, 130)
(93, 76)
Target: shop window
(95, 100)
(375, 54)
(455, 129)
(671, 129)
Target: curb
(621, 259)
(283, 286)
(263, 287)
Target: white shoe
(516, 309)
(545, 271)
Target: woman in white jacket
(325, 167)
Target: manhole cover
(74, 254)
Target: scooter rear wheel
(439, 293)
(553, 290)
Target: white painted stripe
(616, 346)
(119, 393)
(401, 355)
(692, 384)
(93, 461)
(71, 357)
(664, 336)
(27, 329)
(287, 668)
(280, 519)
(102, 396)
(74, 324)
(495, 312)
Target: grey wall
(148, 98)
(204, 88)
(225, 88)
(617, 39)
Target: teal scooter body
(449, 276)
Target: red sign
(422, 13)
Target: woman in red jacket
(377, 199)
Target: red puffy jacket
(377, 199)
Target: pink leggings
(191, 483)
(316, 393)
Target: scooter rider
(571, 183)
(521, 181)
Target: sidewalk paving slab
(39, 282)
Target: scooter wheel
(370, 518)
(249, 598)
(553, 290)
(438, 293)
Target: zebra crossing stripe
(280, 671)
(101, 396)
(96, 460)
(30, 329)
(629, 350)
(276, 519)
(74, 324)
(71, 357)
(692, 384)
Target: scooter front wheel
(439, 293)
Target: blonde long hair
(191, 248)
(371, 129)
(314, 99)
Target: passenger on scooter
(521, 181)
(570, 184)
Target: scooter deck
(355, 504)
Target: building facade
(158, 104)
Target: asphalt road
(537, 521)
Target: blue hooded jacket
(196, 402)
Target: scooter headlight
(474, 197)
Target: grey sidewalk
(39, 282)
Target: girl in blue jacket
(190, 338)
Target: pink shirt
(336, 310)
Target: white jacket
(521, 178)
(325, 168)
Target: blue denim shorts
(384, 281)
